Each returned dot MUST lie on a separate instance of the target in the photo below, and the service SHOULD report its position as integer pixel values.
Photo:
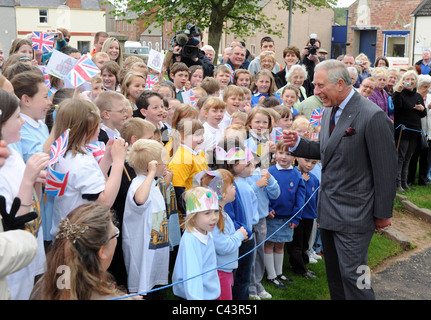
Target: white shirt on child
(145, 239)
(212, 136)
(21, 282)
(226, 122)
(85, 177)
(112, 133)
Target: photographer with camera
(310, 58)
(185, 48)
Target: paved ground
(408, 279)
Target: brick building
(380, 28)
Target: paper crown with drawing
(208, 201)
(235, 153)
(216, 183)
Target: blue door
(367, 44)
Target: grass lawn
(419, 195)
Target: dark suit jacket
(359, 165)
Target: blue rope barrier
(245, 254)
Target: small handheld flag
(42, 41)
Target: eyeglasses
(122, 111)
(368, 87)
(116, 235)
(66, 39)
(267, 61)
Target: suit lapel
(349, 113)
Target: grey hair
(336, 70)
(424, 79)
(296, 67)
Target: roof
(85, 4)
(424, 9)
(7, 3)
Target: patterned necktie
(332, 123)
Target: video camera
(187, 41)
(312, 49)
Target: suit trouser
(346, 257)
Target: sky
(344, 3)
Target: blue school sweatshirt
(310, 209)
(292, 193)
(236, 212)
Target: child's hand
(34, 166)
(272, 147)
(188, 86)
(119, 150)
(152, 167)
(292, 225)
(271, 214)
(265, 173)
(262, 182)
(244, 233)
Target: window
(43, 16)
(84, 46)
(150, 45)
(396, 43)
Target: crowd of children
(194, 169)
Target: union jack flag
(56, 182)
(42, 41)
(151, 81)
(278, 135)
(46, 75)
(192, 98)
(231, 71)
(82, 71)
(58, 148)
(316, 117)
(315, 136)
(97, 149)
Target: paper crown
(208, 201)
(216, 183)
(235, 153)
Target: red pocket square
(349, 132)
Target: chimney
(73, 3)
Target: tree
(233, 16)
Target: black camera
(312, 49)
(186, 40)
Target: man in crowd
(266, 44)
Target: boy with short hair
(113, 111)
(99, 58)
(145, 226)
(211, 86)
(223, 75)
(239, 117)
(131, 131)
(232, 97)
(150, 107)
(179, 74)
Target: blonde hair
(379, 72)
(128, 78)
(190, 222)
(184, 110)
(240, 114)
(99, 54)
(232, 90)
(82, 118)
(136, 127)
(300, 122)
(213, 102)
(131, 60)
(106, 46)
(407, 73)
(283, 111)
(142, 152)
(107, 100)
(237, 127)
(255, 111)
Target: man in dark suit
(359, 166)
